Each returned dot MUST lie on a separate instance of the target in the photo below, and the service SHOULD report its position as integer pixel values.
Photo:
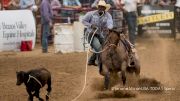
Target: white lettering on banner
(16, 26)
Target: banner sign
(16, 26)
(156, 19)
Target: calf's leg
(37, 95)
(30, 94)
(49, 88)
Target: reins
(107, 47)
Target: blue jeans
(45, 34)
(96, 44)
(131, 20)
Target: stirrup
(130, 58)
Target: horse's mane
(113, 31)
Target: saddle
(131, 52)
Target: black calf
(34, 80)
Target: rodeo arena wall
(69, 36)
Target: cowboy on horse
(100, 21)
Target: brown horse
(115, 58)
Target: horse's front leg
(107, 80)
(105, 72)
(30, 94)
(123, 71)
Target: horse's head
(113, 37)
(20, 77)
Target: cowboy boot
(92, 60)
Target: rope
(103, 49)
(85, 77)
(34, 79)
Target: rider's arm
(109, 22)
(86, 19)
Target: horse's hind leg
(137, 69)
(49, 88)
(123, 72)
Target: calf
(34, 80)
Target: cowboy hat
(103, 3)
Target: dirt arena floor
(159, 57)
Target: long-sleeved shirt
(25, 4)
(46, 12)
(130, 5)
(102, 22)
(55, 4)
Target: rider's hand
(93, 26)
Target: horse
(34, 80)
(115, 58)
